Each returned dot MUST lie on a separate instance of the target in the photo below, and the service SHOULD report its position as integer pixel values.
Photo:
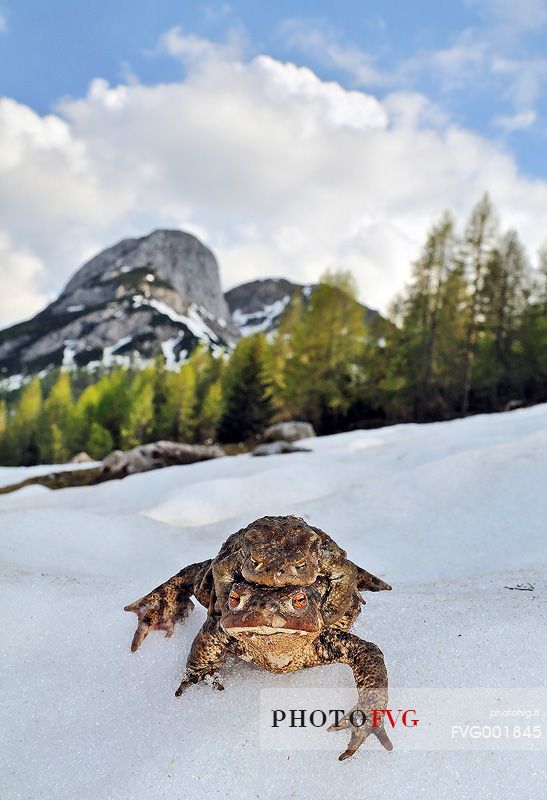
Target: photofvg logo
(415, 719)
(318, 718)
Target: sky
(290, 137)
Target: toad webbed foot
(167, 604)
(212, 679)
(361, 725)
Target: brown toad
(271, 551)
(282, 630)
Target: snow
(259, 321)
(69, 353)
(75, 308)
(192, 320)
(109, 352)
(13, 382)
(10, 475)
(172, 362)
(449, 513)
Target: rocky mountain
(141, 297)
(259, 305)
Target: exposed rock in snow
(288, 431)
(157, 455)
(81, 458)
(278, 448)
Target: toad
(283, 630)
(271, 551)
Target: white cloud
(280, 172)
(320, 40)
(20, 273)
(513, 18)
(517, 122)
(190, 48)
(491, 54)
(525, 79)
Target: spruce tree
(326, 346)
(22, 440)
(421, 318)
(248, 402)
(99, 441)
(478, 244)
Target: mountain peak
(140, 297)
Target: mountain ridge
(141, 297)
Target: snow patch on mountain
(260, 321)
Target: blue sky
(50, 50)
(290, 136)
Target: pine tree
(505, 292)
(3, 418)
(210, 413)
(55, 424)
(326, 346)
(138, 423)
(114, 403)
(99, 441)
(248, 404)
(478, 243)
(22, 445)
(420, 321)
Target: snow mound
(451, 514)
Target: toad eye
(234, 599)
(254, 562)
(299, 600)
(300, 564)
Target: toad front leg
(167, 604)
(367, 663)
(207, 655)
(344, 576)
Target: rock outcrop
(156, 455)
(143, 297)
(139, 298)
(278, 448)
(260, 305)
(288, 431)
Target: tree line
(468, 334)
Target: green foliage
(99, 441)
(248, 402)
(326, 344)
(468, 334)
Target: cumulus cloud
(20, 274)
(281, 173)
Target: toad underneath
(271, 552)
(282, 630)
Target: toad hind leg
(367, 582)
(207, 655)
(165, 605)
(370, 674)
